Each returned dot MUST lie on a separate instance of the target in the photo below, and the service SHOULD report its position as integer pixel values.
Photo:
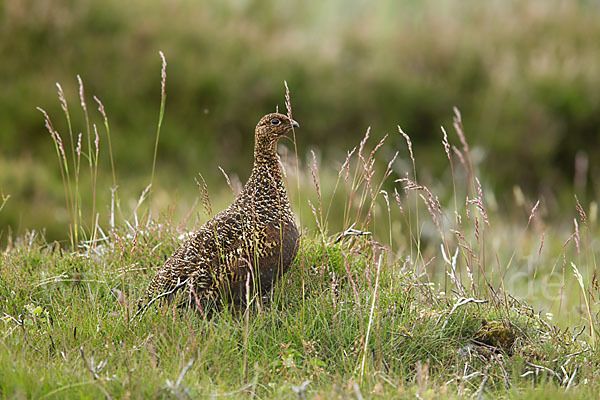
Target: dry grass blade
(163, 97)
(314, 170)
(101, 108)
(408, 143)
(581, 212)
(102, 111)
(204, 195)
(228, 181)
(288, 103)
(446, 143)
(458, 126)
(143, 196)
(533, 210)
(163, 74)
(587, 304)
(346, 165)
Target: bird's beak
(295, 124)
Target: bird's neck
(266, 163)
(266, 174)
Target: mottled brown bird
(250, 243)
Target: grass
(407, 296)
(341, 324)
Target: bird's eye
(275, 121)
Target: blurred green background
(525, 75)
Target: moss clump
(497, 334)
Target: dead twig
(142, 310)
(177, 388)
(351, 232)
(459, 303)
(478, 395)
(91, 366)
(300, 390)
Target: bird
(250, 244)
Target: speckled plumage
(258, 229)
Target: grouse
(249, 244)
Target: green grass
(420, 297)
(351, 318)
(68, 331)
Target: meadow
(409, 298)
(442, 177)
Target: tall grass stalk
(70, 174)
(91, 156)
(368, 333)
(314, 170)
(115, 187)
(74, 196)
(64, 171)
(587, 304)
(102, 111)
(351, 188)
(288, 106)
(163, 98)
(95, 182)
(418, 234)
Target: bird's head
(271, 127)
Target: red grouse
(253, 241)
